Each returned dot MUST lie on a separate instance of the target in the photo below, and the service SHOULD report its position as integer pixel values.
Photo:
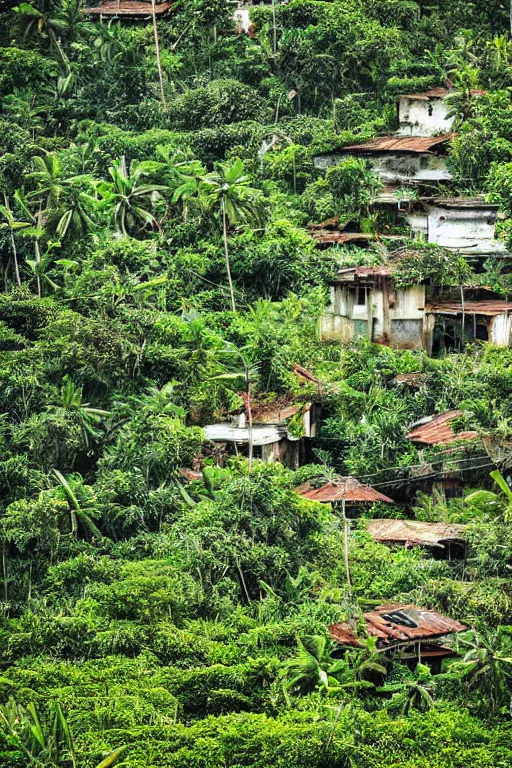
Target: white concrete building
(397, 160)
(465, 225)
(366, 305)
(424, 114)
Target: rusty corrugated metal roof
(463, 202)
(126, 8)
(415, 144)
(395, 623)
(327, 237)
(415, 532)
(276, 413)
(348, 488)
(487, 307)
(438, 430)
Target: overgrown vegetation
(157, 274)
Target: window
(430, 110)
(361, 296)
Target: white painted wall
(415, 118)
(403, 305)
(465, 229)
(395, 167)
(241, 17)
(500, 331)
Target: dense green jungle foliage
(156, 272)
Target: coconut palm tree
(67, 204)
(126, 198)
(227, 193)
(13, 225)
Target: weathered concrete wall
(500, 330)
(394, 167)
(466, 229)
(387, 316)
(241, 17)
(418, 117)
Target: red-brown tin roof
(127, 8)
(489, 308)
(349, 488)
(415, 532)
(326, 237)
(438, 430)
(395, 623)
(415, 144)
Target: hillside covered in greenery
(165, 603)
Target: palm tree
(70, 402)
(487, 664)
(13, 225)
(248, 374)
(126, 197)
(416, 692)
(227, 192)
(316, 667)
(67, 203)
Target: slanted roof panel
(127, 8)
(438, 430)
(348, 488)
(416, 532)
(415, 144)
(421, 624)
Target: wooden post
(345, 546)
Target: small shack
(272, 437)
(348, 489)
(397, 159)
(445, 540)
(448, 323)
(366, 304)
(134, 10)
(442, 477)
(403, 631)
(424, 114)
(438, 431)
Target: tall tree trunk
(226, 255)
(345, 546)
(158, 62)
(248, 409)
(14, 249)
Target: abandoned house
(131, 10)
(449, 323)
(397, 159)
(356, 496)
(444, 540)
(412, 634)
(278, 431)
(424, 114)
(445, 476)
(464, 225)
(365, 304)
(438, 431)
